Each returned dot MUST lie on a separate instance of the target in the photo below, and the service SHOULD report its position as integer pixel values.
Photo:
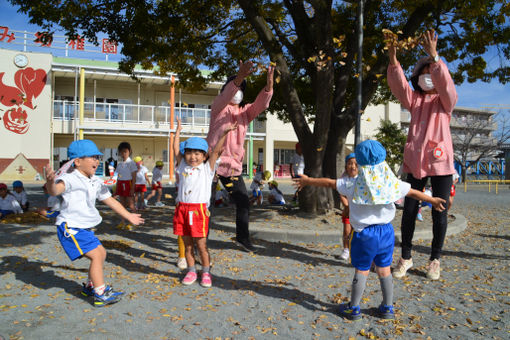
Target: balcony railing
(129, 113)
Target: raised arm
(216, 152)
(263, 99)
(222, 100)
(304, 180)
(177, 142)
(54, 189)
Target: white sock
(99, 290)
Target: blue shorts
(76, 242)
(256, 192)
(52, 214)
(6, 212)
(375, 244)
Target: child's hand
(437, 203)
(135, 219)
(300, 183)
(179, 126)
(50, 173)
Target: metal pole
(172, 136)
(82, 100)
(357, 131)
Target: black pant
(440, 188)
(237, 190)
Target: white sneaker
(181, 263)
(159, 204)
(433, 270)
(402, 268)
(345, 254)
(146, 202)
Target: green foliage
(391, 136)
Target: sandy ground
(287, 290)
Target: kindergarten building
(40, 111)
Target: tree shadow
(501, 237)
(18, 236)
(461, 254)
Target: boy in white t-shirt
(8, 203)
(275, 195)
(18, 191)
(371, 210)
(79, 188)
(257, 185)
(126, 174)
(157, 176)
(142, 180)
(191, 217)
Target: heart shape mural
(31, 82)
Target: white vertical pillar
(269, 153)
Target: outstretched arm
(216, 152)
(304, 180)
(177, 142)
(115, 205)
(420, 196)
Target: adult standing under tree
(227, 108)
(428, 151)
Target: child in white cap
(371, 210)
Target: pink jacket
(224, 114)
(428, 150)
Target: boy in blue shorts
(79, 188)
(371, 210)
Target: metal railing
(129, 113)
(495, 182)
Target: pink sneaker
(206, 280)
(189, 279)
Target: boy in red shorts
(191, 217)
(126, 172)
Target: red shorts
(191, 219)
(452, 191)
(156, 186)
(123, 189)
(140, 188)
(345, 220)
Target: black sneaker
(109, 296)
(87, 290)
(247, 246)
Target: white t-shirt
(157, 175)
(195, 182)
(140, 175)
(78, 208)
(360, 215)
(125, 170)
(277, 196)
(21, 197)
(298, 164)
(10, 203)
(54, 202)
(256, 183)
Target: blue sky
(476, 95)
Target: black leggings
(237, 190)
(440, 188)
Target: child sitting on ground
(18, 191)
(257, 185)
(371, 210)
(8, 203)
(52, 208)
(79, 188)
(351, 171)
(191, 217)
(275, 195)
(221, 197)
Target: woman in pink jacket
(428, 151)
(227, 108)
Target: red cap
(3, 186)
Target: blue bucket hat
(349, 156)
(370, 152)
(17, 184)
(181, 147)
(196, 143)
(82, 148)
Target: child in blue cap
(351, 171)
(18, 191)
(371, 210)
(191, 218)
(79, 188)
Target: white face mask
(425, 82)
(238, 98)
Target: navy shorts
(375, 244)
(76, 242)
(256, 192)
(52, 213)
(6, 212)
